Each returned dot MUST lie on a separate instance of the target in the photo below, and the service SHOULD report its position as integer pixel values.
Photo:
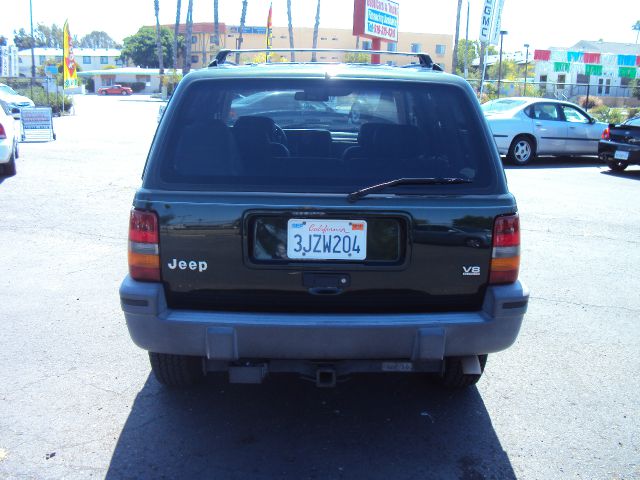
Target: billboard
(376, 19)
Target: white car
(525, 127)
(13, 98)
(9, 137)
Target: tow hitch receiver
(325, 377)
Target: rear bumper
(608, 148)
(231, 336)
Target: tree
(469, 48)
(97, 39)
(141, 48)
(315, 32)
(43, 36)
(175, 36)
(156, 8)
(243, 17)
(293, 54)
(3, 41)
(636, 27)
(189, 30)
(455, 40)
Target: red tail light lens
(3, 134)
(144, 254)
(606, 134)
(505, 258)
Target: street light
(526, 68)
(502, 34)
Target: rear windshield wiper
(363, 192)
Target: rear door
(549, 128)
(582, 135)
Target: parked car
(257, 248)
(620, 144)
(14, 99)
(526, 127)
(9, 138)
(115, 90)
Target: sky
(540, 23)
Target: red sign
(376, 19)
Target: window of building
(86, 60)
(416, 47)
(543, 82)
(58, 58)
(392, 47)
(195, 58)
(104, 60)
(230, 36)
(625, 82)
(562, 78)
(334, 38)
(194, 39)
(283, 36)
(323, 38)
(441, 49)
(582, 79)
(42, 59)
(366, 44)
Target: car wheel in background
(103, 92)
(453, 377)
(124, 92)
(176, 370)
(522, 150)
(616, 166)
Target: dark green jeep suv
(278, 231)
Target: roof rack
(424, 58)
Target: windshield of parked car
(321, 136)
(502, 105)
(7, 89)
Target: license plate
(621, 155)
(397, 367)
(326, 239)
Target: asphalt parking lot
(77, 400)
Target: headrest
(264, 124)
(397, 141)
(367, 133)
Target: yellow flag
(69, 64)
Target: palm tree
(315, 32)
(187, 36)
(293, 55)
(454, 65)
(156, 6)
(243, 16)
(216, 25)
(175, 36)
(636, 27)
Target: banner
(269, 31)
(486, 21)
(497, 20)
(70, 75)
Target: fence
(618, 96)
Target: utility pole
(526, 68)
(33, 42)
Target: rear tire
(453, 377)
(522, 150)
(9, 169)
(124, 93)
(176, 371)
(616, 166)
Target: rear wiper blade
(363, 192)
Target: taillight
(606, 134)
(505, 259)
(144, 254)
(3, 134)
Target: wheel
(124, 92)
(616, 165)
(176, 371)
(453, 377)
(9, 169)
(103, 92)
(522, 150)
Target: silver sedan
(525, 127)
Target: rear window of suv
(320, 136)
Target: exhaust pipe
(325, 377)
